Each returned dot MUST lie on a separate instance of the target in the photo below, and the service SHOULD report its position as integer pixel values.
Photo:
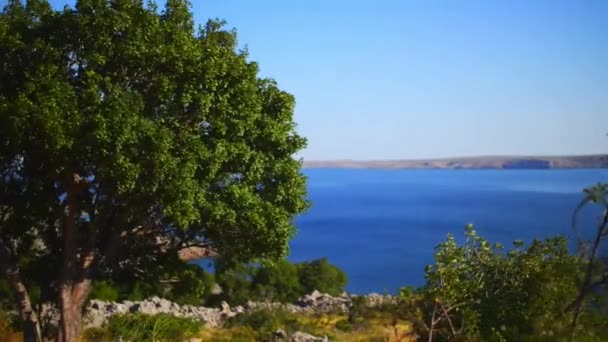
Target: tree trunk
(75, 281)
(72, 299)
(31, 328)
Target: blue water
(380, 226)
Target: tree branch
(447, 316)
(587, 282)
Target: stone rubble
(98, 312)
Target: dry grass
(382, 327)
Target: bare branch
(447, 316)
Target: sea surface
(381, 226)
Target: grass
(371, 325)
(140, 328)
(376, 326)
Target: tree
(128, 135)
(322, 276)
(279, 283)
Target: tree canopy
(127, 134)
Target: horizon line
(461, 157)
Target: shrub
(279, 283)
(141, 290)
(266, 322)
(480, 291)
(358, 311)
(194, 286)
(235, 282)
(322, 276)
(262, 321)
(104, 290)
(184, 284)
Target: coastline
(482, 162)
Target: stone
(216, 289)
(280, 335)
(304, 337)
(225, 307)
(98, 312)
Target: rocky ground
(98, 312)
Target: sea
(381, 226)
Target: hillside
(490, 162)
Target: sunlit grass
(379, 327)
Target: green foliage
(322, 276)
(282, 281)
(141, 290)
(193, 286)
(127, 134)
(499, 294)
(266, 322)
(593, 291)
(358, 311)
(235, 282)
(161, 327)
(104, 290)
(189, 284)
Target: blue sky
(425, 79)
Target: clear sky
(422, 79)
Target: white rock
(304, 337)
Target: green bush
(184, 284)
(266, 322)
(279, 283)
(161, 327)
(358, 311)
(193, 288)
(322, 276)
(189, 284)
(282, 282)
(104, 290)
(495, 295)
(263, 321)
(235, 282)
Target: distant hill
(490, 162)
